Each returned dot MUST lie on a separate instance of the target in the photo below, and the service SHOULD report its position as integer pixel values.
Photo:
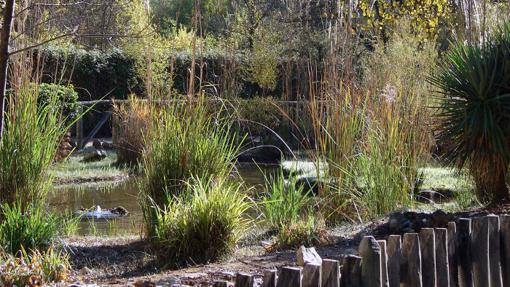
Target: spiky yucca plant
(474, 112)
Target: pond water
(67, 199)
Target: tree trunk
(5, 35)
(500, 194)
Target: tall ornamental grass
(202, 224)
(193, 209)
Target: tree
(5, 35)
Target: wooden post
(480, 252)
(505, 248)
(289, 277)
(312, 275)
(411, 261)
(384, 263)
(495, 276)
(464, 252)
(330, 273)
(351, 271)
(394, 252)
(370, 252)
(269, 279)
(452, 255)
(244, 280)
(442, 266)
(428, 257)
(79, 129)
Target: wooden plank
(384, 263)
(505, 248)
(452, 255)
(312, 275)
(79, 129)
(269, 279)
(394, 253)
(244, 280)
(442, 266)
(495, 276)
(428, 256)
(480, 252)
(463, 252)
(370, 252)
(411, 261)
(289, 277)
(351, 271)
(330, 273)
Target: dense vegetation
(371, 94)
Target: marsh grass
(285, 201)
(202, 224)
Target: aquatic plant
(27, 228)
(285, 201)
(201, 224)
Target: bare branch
(41, 43)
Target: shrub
(33, 269)
(472, 118)
(130, 121)
(306, 231)
(65, 96)
(31, 228)
(202, 224)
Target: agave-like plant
(474, 112)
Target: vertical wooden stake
(442, 265)
(384, 263)
(452, 255)
(464, 252)
(289, 277)
(480, 252)
(312, 275)
(394, 252)
(269, 279)
(370, 252)
(244, 280)
(428, 256)
(330, 273)
(351, 271)
(411, 261)
(495, 276)
(505, 248)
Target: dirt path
(124, 261)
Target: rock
(307, 255)
(99, 213)
(96, 155)
(85, 271)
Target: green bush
(31, 228)
(473, 119)
(66, 98)
(202, 224)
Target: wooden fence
(472, 252)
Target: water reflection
(71, 198)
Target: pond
(67, 199)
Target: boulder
(261, 154)
(307, 255)
(97, 155)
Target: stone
(307, 256)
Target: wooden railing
(472, 252)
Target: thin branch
(41, 43)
